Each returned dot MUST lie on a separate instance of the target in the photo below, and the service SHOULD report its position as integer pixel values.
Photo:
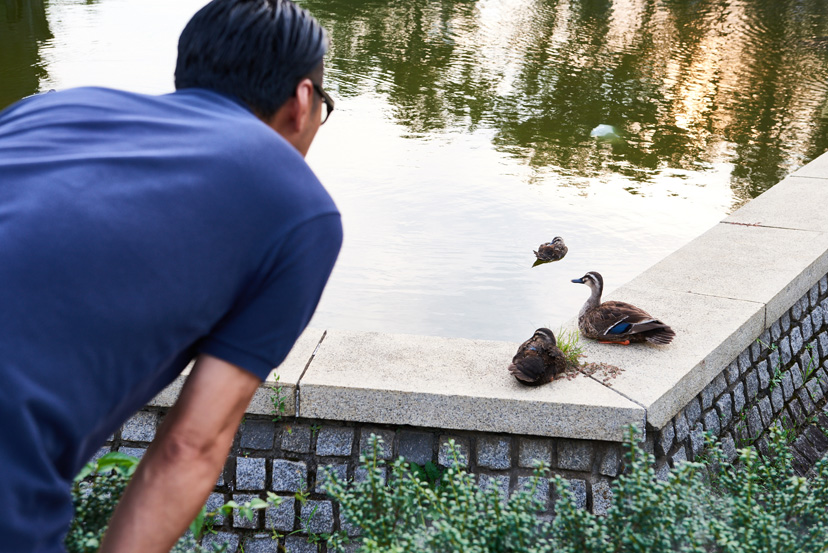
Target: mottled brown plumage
(618, 322)
(538, 359)
(551, 251)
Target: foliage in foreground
(98, 488)
(758, 505)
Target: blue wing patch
(620, 328)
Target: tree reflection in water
(689, 84)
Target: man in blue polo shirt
(138, 232)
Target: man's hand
(181, 466)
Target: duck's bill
(578, 280)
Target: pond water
(463, 135)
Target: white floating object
(604, 131)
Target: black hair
(254, 50)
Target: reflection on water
(688, 83)
(469, 132)
(22, 26)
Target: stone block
(211, 542)
(693, 411)
(805, 400)
(241, 521)
(494, 452)
(766, 410)
(578, 489)
(697, 439)
(744, 361)
(803, 446)
(796, 311)
(797, 412)
(575, 455)
(822, 379)
(787, 386)
(665, 439)
(289, 476)
(137, 452)
(257, 434)
(260, 543)
(601, 497)
(296, 438)
(817, 318)
(729, 448)
(662, 471)
(541, 492)
(725, 408)
(814, 389)
(713, 390)
(796, 376)
(732, 373)
(281, 517)
(298, 544)
(711, 422)
(385, 449)
(215, 502)
(497, 482)
(785, 320)
(532, 451)
(754, 420)
(751, 385)
(764, 375)
(739, 399)
(777, 399)
(335, 441)
(416, 447)
(611, 463)
(776, 331)
(140, 427)
(755, 351)
(446, 457)
(817, 439)
(785, 350)
(823, 285)
(807, 329)
(340, 471)
(681, 426)
(775, 361)
(250, 473)
(361, 474)
(680, 456)
(813, 295)
(317, 517)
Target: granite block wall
(780, 379)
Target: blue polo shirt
(135, 232)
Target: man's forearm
(182, 464)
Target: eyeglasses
(329, 103)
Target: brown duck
(616, 322)
(538, 360)
(551, 251)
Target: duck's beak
(578, 280)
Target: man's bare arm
(182, 464)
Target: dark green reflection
(23, 27)
(688, 84)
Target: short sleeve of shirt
(258, 333)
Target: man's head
(266, 53)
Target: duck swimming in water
(616, 322)
(538, 360)
(551, 251)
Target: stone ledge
(452, 383)
(288, 373)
